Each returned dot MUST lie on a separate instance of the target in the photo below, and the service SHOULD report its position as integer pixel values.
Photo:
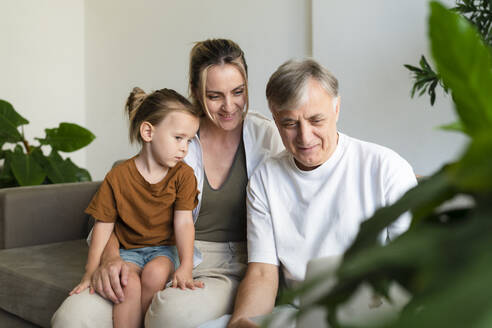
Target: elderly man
(309, 200)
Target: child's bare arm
(184, 230)
(100, 235)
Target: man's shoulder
(370, 150)
(378, 158)
(274, 164)
(276, 161)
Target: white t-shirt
(295, 215)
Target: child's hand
(183, 279)
(84, 284)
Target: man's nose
(304, 133)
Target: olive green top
(222, 214)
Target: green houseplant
(26, 164)
(443, 260)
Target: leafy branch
(426, 80)
(479, 14)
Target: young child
(147, 202)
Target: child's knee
(157, 272)
(133, 284)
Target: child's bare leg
(155, 274)
(129, 312)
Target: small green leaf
(432, 96)
(9, 121)
(456, 126)
(423, 63)
(26, 170)
(68, 137)
(413, 68)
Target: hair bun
(135, 99)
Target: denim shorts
(142, 256)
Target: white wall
(77, 60)
(42, 63)
(365, 44)
(147, 44)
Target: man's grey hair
(286, 88)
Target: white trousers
(222, 269)
(283, 316)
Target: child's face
(170, 138)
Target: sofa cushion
(31, 215)
(35, 280)
(12, 321)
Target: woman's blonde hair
(206, 54)
(153, 108)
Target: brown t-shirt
(143, 212)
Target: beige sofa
(42, 249)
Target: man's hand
(242, 323)
(110, 278)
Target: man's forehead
(307, 111)
(315, 101)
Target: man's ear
(336, 106)
(146, 131)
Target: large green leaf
(474, 171)
(464, 63)
(9, 121)
(68, 137)
(422, 260)
(26, 170)
(434, 191)
(7, 178)
(455, 296)
(60, 170)
(82, 174)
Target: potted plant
(26, 164)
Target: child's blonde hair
(153, 108)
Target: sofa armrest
(44, 214)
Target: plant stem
(25, 143)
